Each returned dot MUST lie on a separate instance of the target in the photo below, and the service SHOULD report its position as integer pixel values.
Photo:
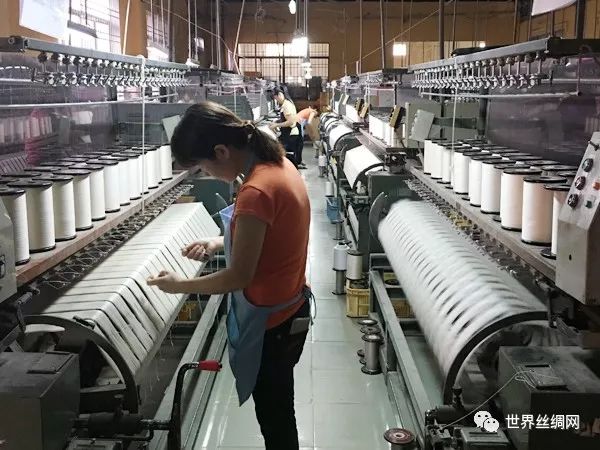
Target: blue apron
(246, 325)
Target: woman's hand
(273, 126)
(201, 250)
(167, 282)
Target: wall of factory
(338, 24)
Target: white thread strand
(40, 206)
(16, 207)
(64, 209)
(151, 169)
(111, 188)
(83, 206)
(98, 202)
(511, 200)
(475, 182)
(166, 162)
(124, 182)
(460, 170)
(354, 265)
(537, 213)
(558, 201)
(490, 189)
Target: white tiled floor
(337, 406)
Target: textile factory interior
(445, 153)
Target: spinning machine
(493, 246)
(90, 355)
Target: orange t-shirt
(304, 114)
(276, 194)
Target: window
(280, 61)
(94, 24)
(157, 31)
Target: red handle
(210, 365)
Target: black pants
(274, 391)
(291, 144)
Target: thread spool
(166, 162)
(74, 159)
(40, 206)
(537, 209)
(83, 197)
(97, 199)
(111, 183)
(524, 160)
(491, 176)
(427, 156)
(63, 200)
(475, 168)
(41, 170)
(322, 165)
(559, 196)
(569, 175)
(24, 174)
(122, 182)
(340, 256)
(447, 157)
(328, 189)
(5, 179)
(15, 202)
(372, 344)
(400, 439)
(511, 196)
(339, 266)
(133, 169)
(151, 167)
(141, 169)
(460, 169)
(354, 265)
(61, 164)
(540, 163)
(436, 160)
(556, 169)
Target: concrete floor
(337, 406)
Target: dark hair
(208, 124)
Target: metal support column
(360, 36)
(382, 33)
(218, 32)
(441, 28)
(580, 19)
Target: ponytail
(208, 124)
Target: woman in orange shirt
(269, 316)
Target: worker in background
(307, 117)
(270, 310)
(291, 134)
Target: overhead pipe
(360, 36)
(441, 15)
(382, 33)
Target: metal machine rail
(549, 47)
(41, 262)
(511, 240)
(20, 44)
(374, 144)
(208, 341)
(399, 356)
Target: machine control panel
(573, 200)
(580, 182)
(578, 241)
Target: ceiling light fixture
(292, 6)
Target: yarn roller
(462, 159)
(63, 199)
(166, 162)
(475, 168)
(98, 202)
(537, 209)
(491, 176)
(122, 185)
(559, 196)
(15, 202)
(83, 198)
(41, 206)
(511, 196)
(111, 183)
